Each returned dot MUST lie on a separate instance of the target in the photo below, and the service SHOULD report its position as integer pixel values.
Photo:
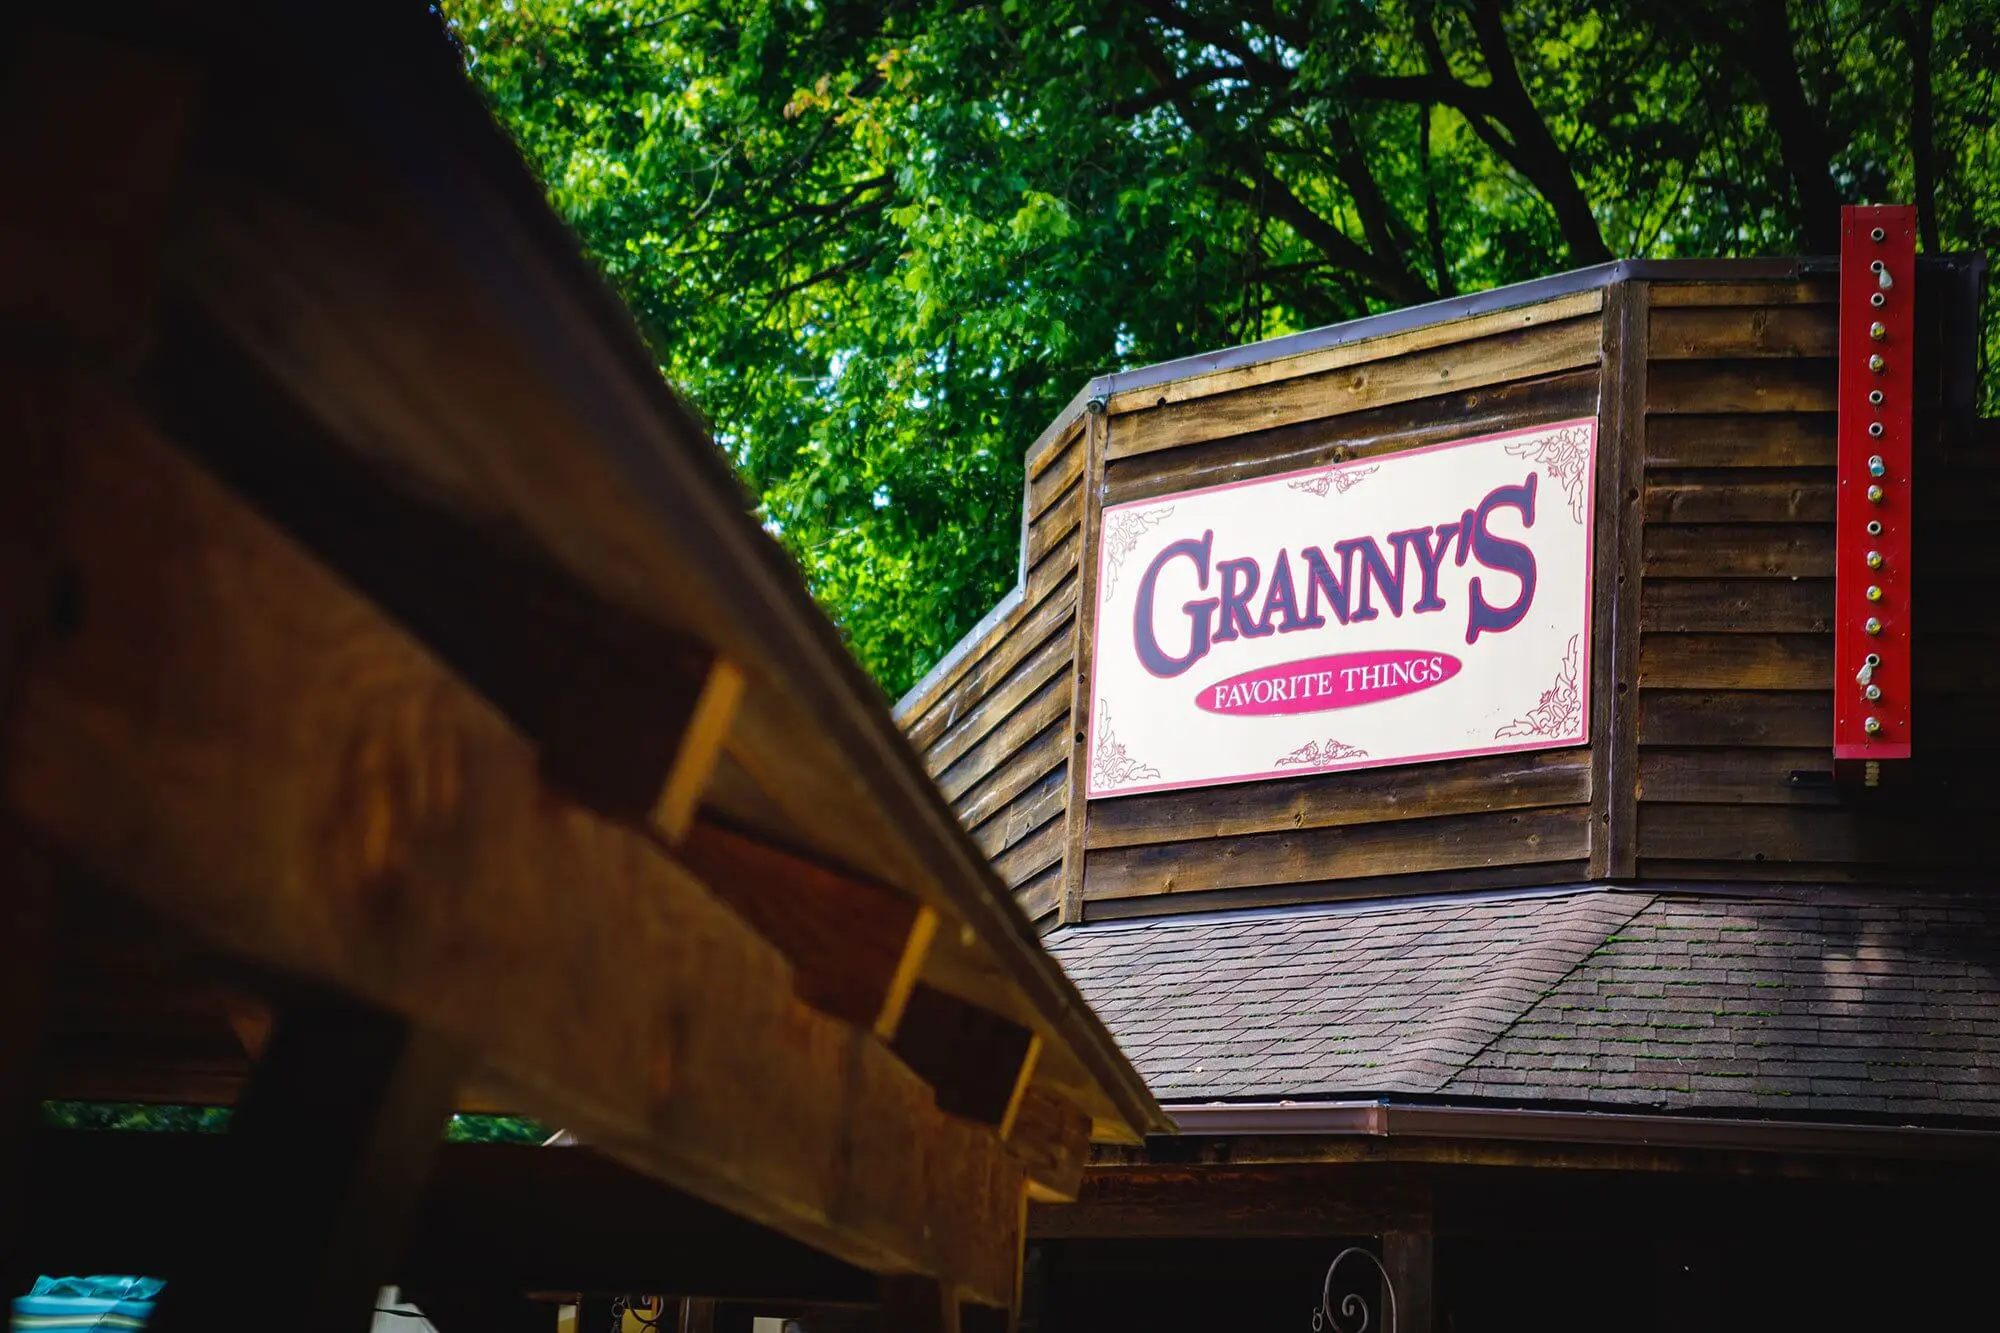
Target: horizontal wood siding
(1735, 734)
(993, 730)
(1461, 823)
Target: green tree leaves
(881, 245)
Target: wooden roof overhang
(378, 622)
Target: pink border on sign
(1583, 679)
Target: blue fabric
(101, 1302)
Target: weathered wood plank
(1345, 852)
(1522, 354)
(1038, 460)
(1732, 776)
(1036, 758)
(849, 941)
(1043, 663)
(1811, 291)
(1054, 1143)
(1619, 576)
(1763, 439)
(1749, 550)
(1061, 519)
(1026, 813)
(1063, 470)
(1741, 497)
(1743, 386)
(1737, 606)
(234, 736)
(1045, 705)
(1736, 717)
(1780, 833)
(1396, 426)
(1041, 896)
(1366, 888)
(1369, 796)
(1053, 571)
(1736, 661)
(1028, 858)
(1716, 332)
(1097, 442)
(1442, 334)
(1001, 653)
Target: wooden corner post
(1076, 813)
(1614, 709)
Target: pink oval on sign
(1321, 684)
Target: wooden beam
(234, 736)
(855, 947)
(328, 1158)
(1410, 1259)
(1053, 1139)
(974, 1059)
(628, 719)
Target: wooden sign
(1424, 605)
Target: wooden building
(1642, 1011)
(403, 712)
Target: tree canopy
(881, 244)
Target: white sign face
(1430, 604)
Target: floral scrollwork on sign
(1560, 709)
(1338, 479)
(1121, 537)
(1565, 455)
(1316, 753)
(1115, 768)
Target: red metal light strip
(1871, 627)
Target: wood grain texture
(1043, 662)
(1329, 854)
(1749, 550)
(1794, 718)
(1761, 330)
(1737, 606)
(1811, 291)
(1368, 796)
(1041, 708)
(1522, 354)
(1483, 411)
(1097, 443)
(1010, 641)
(1618, 580)
(1736, 661)
(1365, 888)
(1739, 496)
(1737, 776)
(1057, 522)
(1051, 483)
(1042, 754)
(1029, 857)
(1027, 812)
(1444, 333)
(1764, 439)
(234, 736)
(1825, 836)
(1745, 386)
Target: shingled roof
(1653, 1000)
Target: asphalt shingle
(1666, 1000)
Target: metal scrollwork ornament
(1354, 1316)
